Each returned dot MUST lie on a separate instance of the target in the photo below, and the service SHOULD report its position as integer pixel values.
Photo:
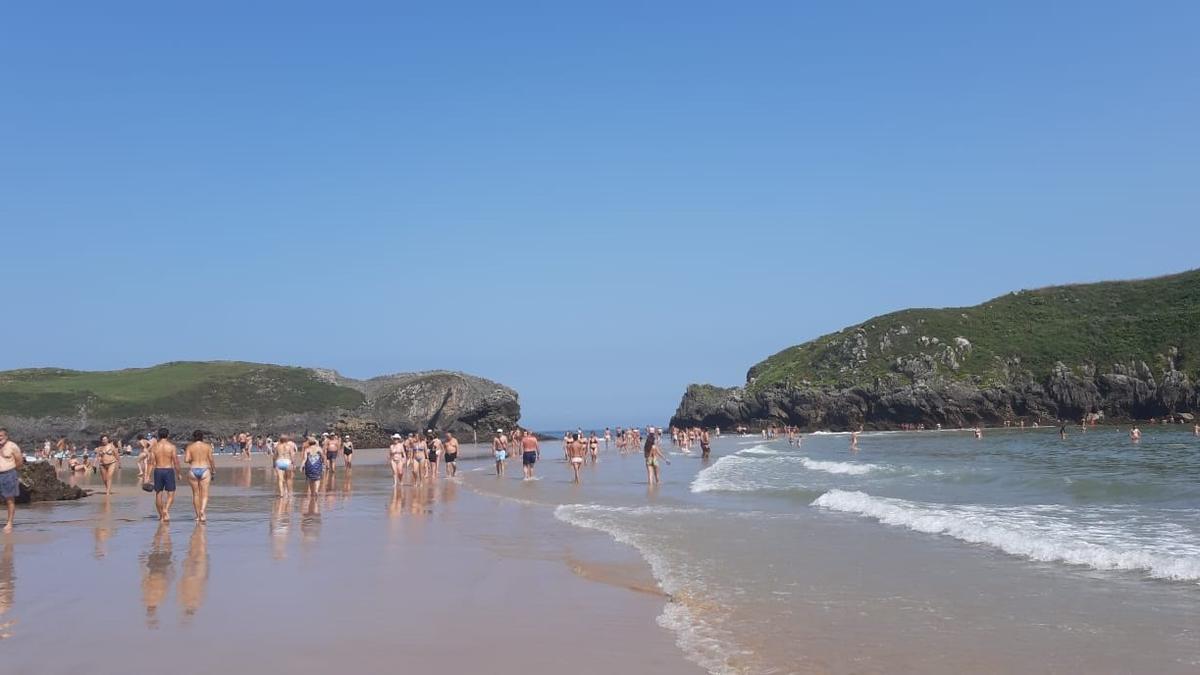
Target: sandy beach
(432, 578)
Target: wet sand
(434, 578)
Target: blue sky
(594, 203)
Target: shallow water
(921, 552)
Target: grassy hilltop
(1153, 320)
(217, 389)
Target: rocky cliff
(226, 397)
(1114, 350)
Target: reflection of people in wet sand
(103, 530)
(281, 525)
(194, 578)
(8, 579)
(310, 521)
(157, 570)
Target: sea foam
(1100, 538)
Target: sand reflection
(8, 580)
(310, 522)
(194, 580)
(280, 527)
(158, 566)
(103, 530)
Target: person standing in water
(451, 449)
(198, 455)
(499, 451)
(109, 460)
(1135, 434)
(575, 454)
(1062, 431)
(348, 451)
(164, 465)
(705, 444)
(530, 453)
(285, 451)
(653, 455)
(11, 460)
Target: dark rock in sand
(40, 483)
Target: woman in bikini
(396, 454)
(285, 451)
(201, 463)
(109, 459)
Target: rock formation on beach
(223, 397)
(40, 483)
(1114, 350)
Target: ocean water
(919, 552)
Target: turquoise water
(919, 552)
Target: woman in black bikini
(109, 459)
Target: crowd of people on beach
(413, 458)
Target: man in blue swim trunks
(530, 453)
(164, 460)
(11, 460)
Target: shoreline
(435, 576)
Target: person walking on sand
(450, 448)
(530, 453)
(143, 458)
(499, 451)
(575, 453)
(285, 454)
(198, 455)
(109, 460)
(164, 465)
(433, 450)
(348, 451)
(396, 455)
(11, 460)
(314, 465)
(331, 443)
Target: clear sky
(593, 203)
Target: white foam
(845, 468)
(1101, 538)
(702, 641)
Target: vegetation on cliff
(217, 389)
(1156, 321)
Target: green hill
(1116, 350)
(218, 389)
(1151, 320)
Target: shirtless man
(451, 450)
(330, 443)
(575, 453)
(705, 444)
(499, 450)
(246, 441)
(530, 453)
(11, 460)
(1135, 434)
(108, 457)
(201, 463)
(164, 464)
(143, 458)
